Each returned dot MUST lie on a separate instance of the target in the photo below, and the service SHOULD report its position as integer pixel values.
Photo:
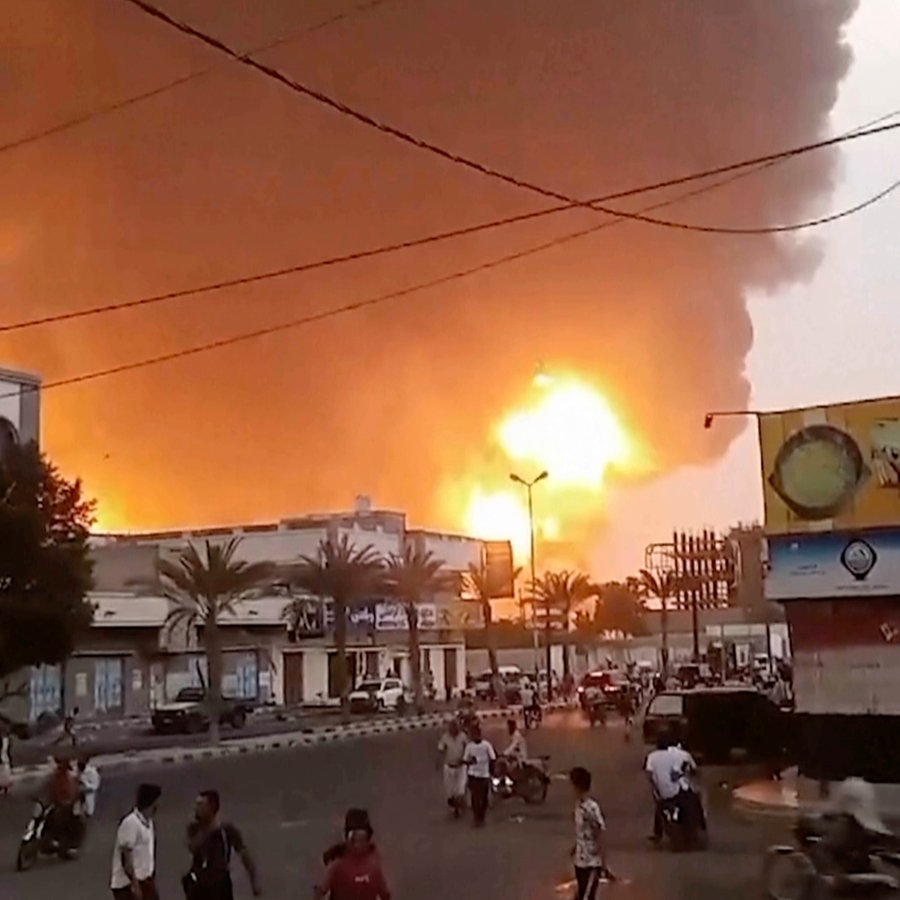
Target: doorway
(293, 679)
(451, 670)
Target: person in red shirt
(354, 867)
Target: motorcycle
(796, 871)
(533, 716)
(530, 782)
(40, 840)
(596, 713)
(683, 820)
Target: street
(290, 806)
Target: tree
(661, 587)
(201, 589)
(45, 567)
(562, 591)
(410, 577)
(619, 609)
(477, 584)
(350, 576)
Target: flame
(566, 427)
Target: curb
(308, 737)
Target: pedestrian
(211, 843)
(134, 856)
(479, 756)
(354, 867)
(68, 736)
(89, 782)
(451, 750)
(5, 757)
(589, 852)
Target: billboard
(19, 405)
(498, 561)
(834, 565)
(832, 468)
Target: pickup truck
(189, 713)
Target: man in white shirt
(134, 856)
(479, 755)
(89, 781)
(452, 751)
(660, 768)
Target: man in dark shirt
(211, 842)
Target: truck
(189, 713)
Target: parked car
(376, 694)
(189, 713)
(691, 675)
(716, 724)
(510, 682)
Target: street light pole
(529, 487)
(708, 420)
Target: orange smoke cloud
(417, 403)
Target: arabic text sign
(833, 565)
(832, 468)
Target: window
(666, 705)
(392, 685)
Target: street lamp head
(542, 476)
(708, 420)
(515, 478)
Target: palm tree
(662, 587)
(201, 588)
(563, 591)
(477, 584)
(350, 576)
(410, 577)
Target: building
(831, 487)
(131, 660)
(20, 405)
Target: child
(589, 853)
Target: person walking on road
(479, 756)
(134, 856)
(589, 852)
(211, 843)
(354, 867)
(451, 750)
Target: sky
(229, 174)
(830, 339)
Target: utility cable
(379, 299)
(184, 79)
(759, 164)
(422, 144)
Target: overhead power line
(757, 165)
(422, 144)
(86, 117)
(380, 299)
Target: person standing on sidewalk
(134, 856)
(479, 757)
(451, 750)
(5, 757)
(211, 842)
(588, 854)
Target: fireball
(566, 427)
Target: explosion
(567, 429)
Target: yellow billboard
(832, 467)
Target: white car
(377, 694)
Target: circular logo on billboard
(859, 559)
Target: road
(290, 805)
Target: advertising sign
(834, 565)
(498, 561)
(832, 468)
(392, 617)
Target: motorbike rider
(60, 793)
(514, 756)
(663, 788)
(850, 827)
(683, 769)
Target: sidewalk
(794, 795)
(28, 777)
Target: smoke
(231, 174)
